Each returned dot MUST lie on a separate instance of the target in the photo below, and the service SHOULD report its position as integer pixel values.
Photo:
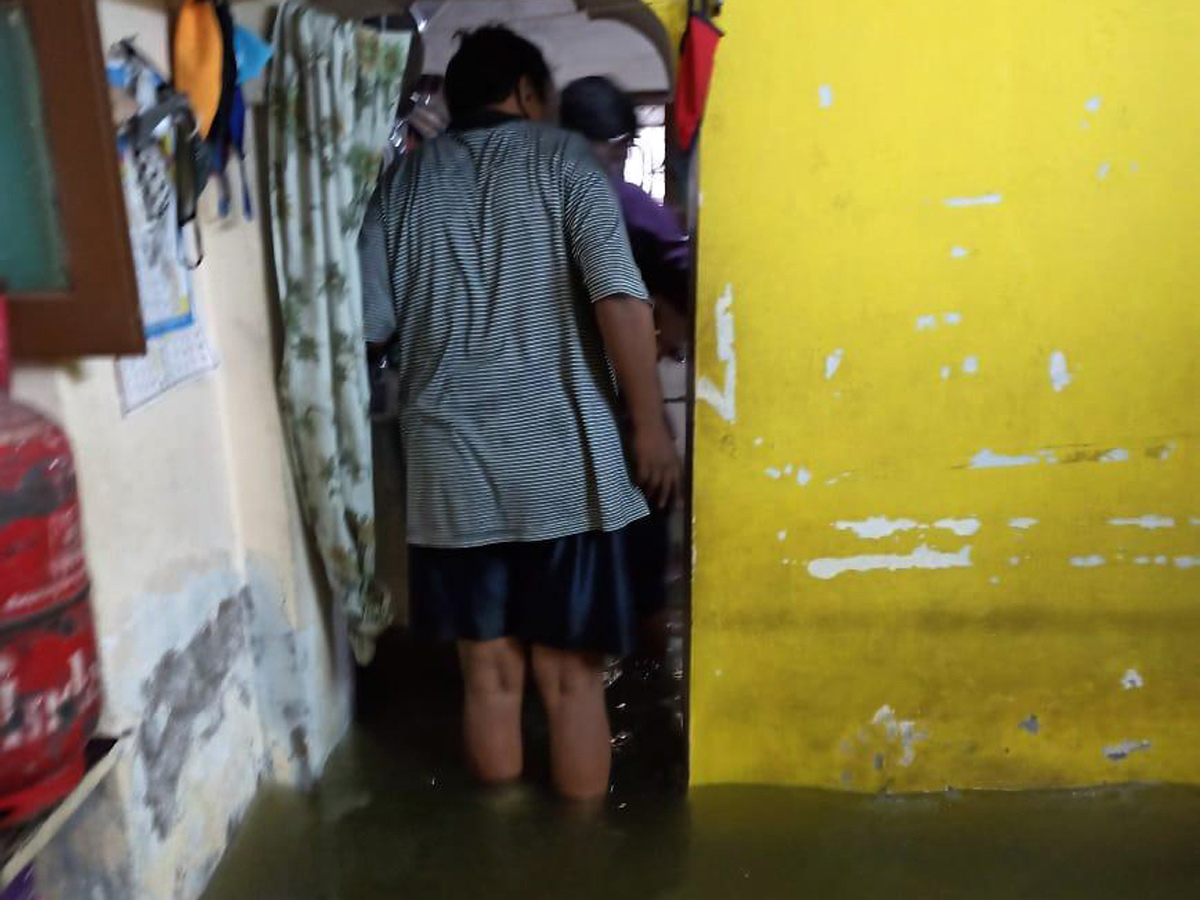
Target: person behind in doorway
(513, 291)
(604, 114)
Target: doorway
(647, 697)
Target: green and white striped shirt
(495, 241)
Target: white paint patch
(987, 459)
(1165, 451)
(921, 558)
(945, 372)
(803, 477)
(981, 200)
(1150, 522)
(1103, 170)
(1116, 455)
(825, 96)
(1132, 680)
(782, 535)
(1060, 375)
(1187, 562)
(1014, 560)
(961, 527)
(926, 323)
(959, 252)
(1093, 104)
(1194, 521)
(1087, 562)
(1160, 560)
(1118, 752)
(1022, 522)
(970, 365)
(1134, 167)
(877, 527)
(724, 399)
(899, 731)
(833, 361)
(995, 579)
(952, 318)
(772, 472)
(787, 470)
(758, 442)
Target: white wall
(574, 44)
(214, 635)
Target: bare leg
(580, 742)
(494, 681)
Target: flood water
(396, 817)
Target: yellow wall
(827, 230)
(673, 14)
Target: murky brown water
(395, 817)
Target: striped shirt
(495, 241)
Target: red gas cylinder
(49, 675)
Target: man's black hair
(598, 109)
(487, 68)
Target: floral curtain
(331, 98)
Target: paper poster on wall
(177, 349)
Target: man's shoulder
(546, 139)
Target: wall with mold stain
(948, 443)
(215, 644)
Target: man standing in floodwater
(514, 290)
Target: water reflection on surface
(395, 816)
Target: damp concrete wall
(947, 512)
(216, 647)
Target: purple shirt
(659, 244)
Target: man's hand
(627, 325)
(658, 468)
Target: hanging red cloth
(695, 72)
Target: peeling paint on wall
(877, 527)
(723, 399)
(1149, 522)
(833, 362)
(1023, 523)
(961, 527)
(825, 96)
(1060, 376)
(1087, 562)
(901, 732)
(981, 200)
(1123, 750)
(184, 706)
(1132, 680)
(988, 459)
(921, 558)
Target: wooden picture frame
(98, 313)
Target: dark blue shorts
(574, 593)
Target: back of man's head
(488, 69)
